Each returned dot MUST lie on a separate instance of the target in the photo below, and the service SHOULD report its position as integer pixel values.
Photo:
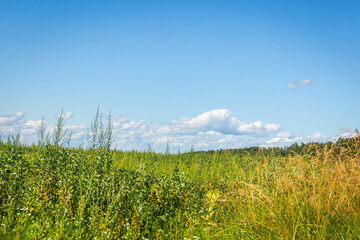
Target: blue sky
(217, 68)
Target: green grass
(51, 192)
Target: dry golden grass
(314, 196)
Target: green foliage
(42, 133)
(53, 192)
(59, 132)
(14, 140)
(167, 150)
(99, 136)
(292, 150)
(70, 193)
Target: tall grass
(53, 192)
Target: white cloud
(216, 129)
(28, 129)
(66, 115)
(11, 123)
(304, 82)
(76, 127)
(11, 119)
(211, 130)
(15, 124)
(346, 133)
(291, 85)
(219, 120)
(33, 123)
(284, 134)
(79, 135)
(285, 139)
(79, 132)
(319, 137)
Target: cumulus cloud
(346, 133)
(285, 139)
(33, 123)
(219, 120)
(79, 132)
(304, 82)
(211, 130)
(215, 129)
(15, 123)
(284, 135)
(11, 119)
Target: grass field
(52, 192)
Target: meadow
(50, 191)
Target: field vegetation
(49, 190)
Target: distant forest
(294, 149)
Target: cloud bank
(219, 120)
(286, 138)
(215, 129)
